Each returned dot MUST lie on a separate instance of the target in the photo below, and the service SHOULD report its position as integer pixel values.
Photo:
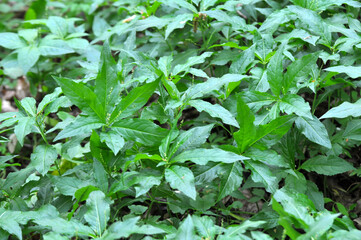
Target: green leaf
(28, 104)
(351, 71)
(51, 47)
(236, 232)
(267, 156)
(322, 224)
(100, 176)
(113, 140)
(201, 156)
(136, 99)
(231, 179)
(141, 130)
(244, 59)
(298, 70)
(190, 62)
(27, 57)
(43, 157)
(181, 178)
(178, 22)
(247, 131)
(201, 89)
(11, 40)
(329, 166)
(300, 34)
(147, 180)
(215, 110)
(68, 185)
(49, 98)
(344, 110)
(186, 229)
(82, 96)
(292, 103)
(180, 4)
(122, 229)
(106, 82)
(261, 173)
(98, 212)
(255, 100)
(23, 128)
(98, 149)
(9, 222)
(190, 139)
(314, 130)
(81, 125)
(295, 204)
(57, 26)
(275, 72)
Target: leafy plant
(181, 119)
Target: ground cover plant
(180, 119)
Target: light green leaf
(9, 222)
(151, 22)
(11, 40)
(292, 103)
(201, 89)
(314, 130)
(68, 185)
(49, 98)
(113, 139)
(261, 173)
(29, 34)
(146, 181)
(296, 204)
(247, 131)
(43, 157)
(57, 26)
(298, 33)
(178, 22)
(231, 179)
(351, 71)
(181, 178)
(133, 101)
(51, 47)
(190, 62)
(267, 156)
(190, 139)
(215, 110)
(255, 100)
(122, 229)
(298, 70)
(186, 229)
(205, 4)
(82, 96)
(23, 128)
(240, 64)
(180, 4)
(344, 110)
(27, 57)
(321, 225)
(106, 83)
(329, 166)
(98, 211)
(275, 72)
(81, 125)
(201, 156)
(28, 104)
(141, 130)
(59, 102)
(100, 175)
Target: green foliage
(181, 119)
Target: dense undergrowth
(180, 119)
